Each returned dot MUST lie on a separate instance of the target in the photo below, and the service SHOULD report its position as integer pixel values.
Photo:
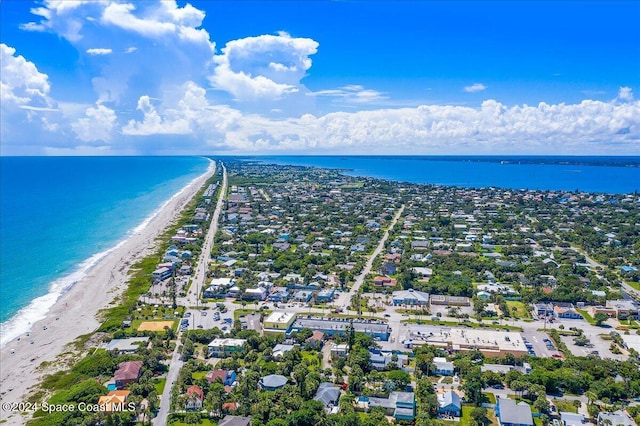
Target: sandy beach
(74, 314)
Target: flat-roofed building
(331, 326)
(439, 299)
(278, 322)
(491, 343)
(224, 347)
(624, 308)
(410, 297)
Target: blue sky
(344, 77)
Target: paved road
(367, 268)
(198, 281)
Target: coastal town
(294, 296)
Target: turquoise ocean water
(59, 215)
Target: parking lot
(206, 319)
(538, 344)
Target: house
(328, 394)
(419, 245)
(161, 274)
(127, 372)
(388, 268)
(114, 401)
(615, 418)
(511, 414)
(221, 348)
(442, 366)
(384, 282)
(339, 351)
(227, 377)
(272, 382)
(400, 405)
(281, 349)
(235, 421)
(316, 339)
(422, 273)
(449, 404)
(380, 360)
(571, 419)
(410, 297)
(258, 293)
(566, 310)
(194, 398)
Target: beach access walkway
(198, 280)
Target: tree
(479, 416)
(400, 378)
(542, 404)
(600, 318)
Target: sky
(319, 77)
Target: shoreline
(75, 311)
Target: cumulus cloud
(353, 94)
(475, 87)
(263, 67)
(586, 127)
(99, 51)
(169, 44)
(22, 83)
(97, 124)
(625, 94)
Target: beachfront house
(127, 372)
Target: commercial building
(410, 297)
(278, 322)
(491, 343)
(376, 329)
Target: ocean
(612, 175)
(60, 215)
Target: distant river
(613, 175)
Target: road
(367, 268)
(198, 280)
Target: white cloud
(263, 67)
(587, 127)
(353, 94)
(22, 83)
(170, 45)
(475, 87)
(99, 51)
(625, 94)
(97, 125)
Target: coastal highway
(198, 280)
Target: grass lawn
(565, 405)
(586, 316)
(491, 397)
(198, 375)
(520, 308)
(159, 384)
(463, 324)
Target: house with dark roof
(127, 372)
(328, 394)
(273, 382)
(449, 404)
(511, 414)
(235, 421)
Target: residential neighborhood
(301, 296)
